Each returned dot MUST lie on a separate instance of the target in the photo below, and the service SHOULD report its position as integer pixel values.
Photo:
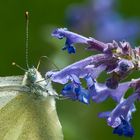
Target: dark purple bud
(112, 83)
(125, 47)
(111, 47)
(125, 65)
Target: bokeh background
(103, 19)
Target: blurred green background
(79, 121)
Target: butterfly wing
(25, 117)
(9, 88)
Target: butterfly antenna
(14, 64)
(47, 59)
(27, 39)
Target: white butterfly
(27, 108)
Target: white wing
(10, 87)
(24, 116)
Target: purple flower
(73, 73)
(124, 128)
(122, 69)
(100, 92)
(71, 38)
(80, 69)
(118, 60)
(119, 118)
(124, 66)
(75, 91)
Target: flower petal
(68, 92)
(104, 114)
(124, 128)
(71, 38)
(96, 45)
(80, 69)
(76, 92)
(101, 92)
(122, 110)
(118, 93)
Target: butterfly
(27, 107)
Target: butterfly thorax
(37, 84)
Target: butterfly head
(32, 75)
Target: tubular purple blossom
(120, 116)
(100, 92)
(80, 69)
(71, 38)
